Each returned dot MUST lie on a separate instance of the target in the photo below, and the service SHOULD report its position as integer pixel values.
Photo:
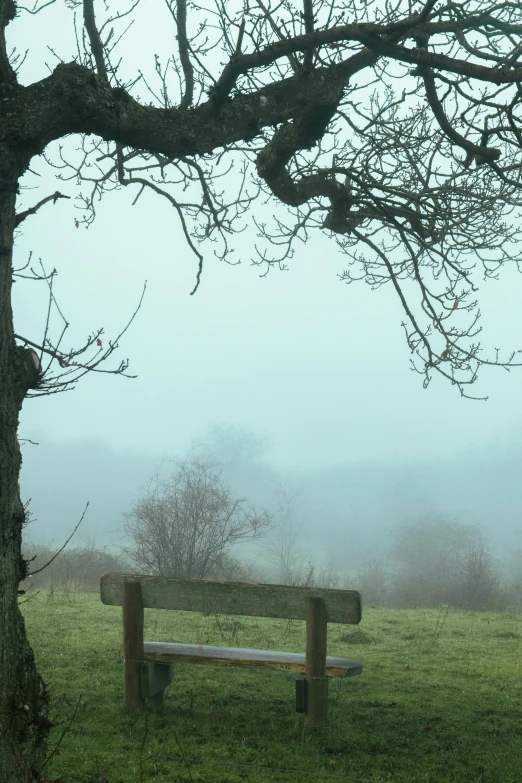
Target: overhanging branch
(73, 100)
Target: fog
(349, 508)
(317, 368)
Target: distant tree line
(188, 523)
(433, 562)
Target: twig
(94, 38)
(63, 547)
(33, 595)
(64, 732)
(36, 10)
(184, 56)
(308, 13)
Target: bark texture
(24, 722)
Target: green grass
(439, 700)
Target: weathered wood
(237, 598)
(133, 643)
(316, 682)
(317, 606)
(172, 652)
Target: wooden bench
(149, 665)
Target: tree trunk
(24, 723)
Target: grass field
(440, 700)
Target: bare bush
(478, 584)
(439, 562)
(185, 525)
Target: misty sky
(319, 368)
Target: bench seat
(172, 652)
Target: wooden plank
(317, 684)
(133, 643)
(235, 598)
(173, 652)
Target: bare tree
(185, 525)
(395, 127)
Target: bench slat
(167, 652)
(234, 598)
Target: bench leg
(132, 643)
(315, 670)
(300, 695)
(316, 702)
(155, 677)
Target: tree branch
(421, 57)
(162, 192)
(180, 18)
(94, 38)
(38, 570)
(294, 62)
(376, 37)
(473, 150)
(21, 216)
(308, 13)
(72, 368)
(401, 178)
(73, 100)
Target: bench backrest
(235, 598)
